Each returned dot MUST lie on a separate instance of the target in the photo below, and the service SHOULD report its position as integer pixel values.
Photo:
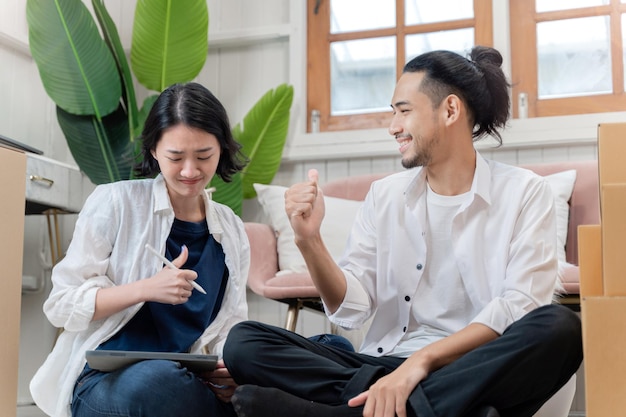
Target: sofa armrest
(263, 255)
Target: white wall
(253, 46)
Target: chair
(294, 289)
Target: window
(567, 56)
(357, 49)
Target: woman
(109, 292)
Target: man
(456, 260)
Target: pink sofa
(297, 290)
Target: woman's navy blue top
(161, 327)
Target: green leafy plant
(85, 71)
(262, 135)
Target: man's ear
(452, 107)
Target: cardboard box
(611, 153)
(604, 338)
(590, 260)
(602, 261)
(613, 206)
(12, 203)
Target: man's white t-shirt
(440, 301)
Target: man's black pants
(515, 373)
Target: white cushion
(562, 184)
(336, 226)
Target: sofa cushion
(562, 184)
(585, 201)
(570, 278)
(290, 285)
(263, 255)
(340, 214)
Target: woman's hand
(171, 286)
(220, 382)
(168, 286)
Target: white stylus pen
(171, 265)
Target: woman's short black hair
(192, 105)
(477, 80)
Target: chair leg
(292, 315)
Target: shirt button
(419, 267)
(404, 329)
(380, 350)
(407, 298)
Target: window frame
(319, 40)
(524, 62)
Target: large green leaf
(76, 67)
(170, 41)
(263, 136)
(112, 39)
(141, 121)
(100, 147)
(229, 193)
(143, 113)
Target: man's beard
(421, 157)
(415, 161)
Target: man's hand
(304, 205)
(389, 395)
(220, 382)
